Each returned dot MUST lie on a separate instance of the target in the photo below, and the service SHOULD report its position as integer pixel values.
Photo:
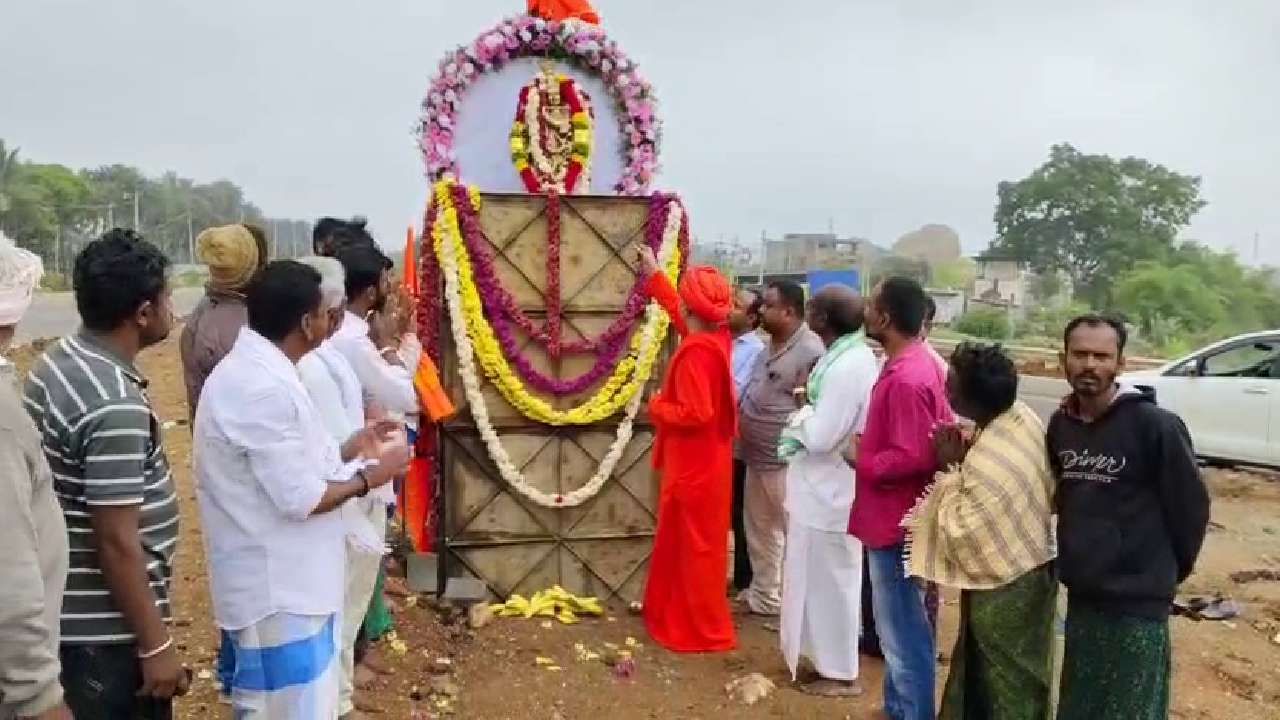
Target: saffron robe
(686, 608)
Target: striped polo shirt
(105, 448)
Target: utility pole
(191, 238)
(1256, 259)
(764, 256)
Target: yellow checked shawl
(988, 521)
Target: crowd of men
(922, 472)
(301, 400)
(776, 424)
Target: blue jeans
(906, 638)
(226, 662)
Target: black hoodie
(1132, 506)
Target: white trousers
(822, 601)
(765, 518)
(362, 577)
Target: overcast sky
(876, 116)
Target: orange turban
(706, 293)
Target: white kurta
(822, 574)
(335, 390)
(263, 461)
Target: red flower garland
(554, 301)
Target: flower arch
(574, 41)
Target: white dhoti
(822, 601)
(765, 520)
(286, 668)
(364, 559)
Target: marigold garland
(480, 412)
(502, 310)
(627, 379)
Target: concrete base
(422, 572)
(465, 592)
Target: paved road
(54, 314)
(1042, 394)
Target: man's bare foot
(374, 662)
(824, 687)
(396, 587)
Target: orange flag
(434, 400)
(564, 9)
(410, 265)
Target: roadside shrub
(987, 323)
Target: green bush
(1048, 322)
(55, 282)
(986, 323)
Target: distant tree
(897, 266)
(54, 210)
(8, 174)
(955, 275)
(1153, 293)
(1046, 285)
(1093, 216)
(44, 202)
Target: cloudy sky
(873, 116)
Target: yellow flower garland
(627, 379)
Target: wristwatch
(364, 480)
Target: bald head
(835, 311)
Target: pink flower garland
(586, 46)
(503, 311)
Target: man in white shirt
(822, 573)
(386, 383)
(335, 391)
(270, 479)
(384, 380)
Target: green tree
(1093, 216)
(898, 266)
(8, 175)
(45, 202)
(1154, 293)
(955, 275)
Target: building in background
(801, 252)
(1001, 281)
(950, 304)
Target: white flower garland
(653, 331)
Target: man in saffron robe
(685, 606)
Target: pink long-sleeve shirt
(896, 461)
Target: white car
(1228, 394)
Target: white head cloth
(20, 271)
